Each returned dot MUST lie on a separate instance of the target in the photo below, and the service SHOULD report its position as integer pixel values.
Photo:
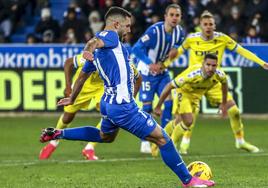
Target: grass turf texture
(121, 164)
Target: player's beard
(123, 37)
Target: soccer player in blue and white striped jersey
(150, 51)
(106, 53)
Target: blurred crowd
(244, 20)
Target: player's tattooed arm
(90, 47)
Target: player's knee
(188, 122)
(163, 139)
(107, 138)
(234, 112)
(147, 107)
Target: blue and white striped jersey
(155, 43)
(112, 63)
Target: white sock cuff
(185, 140)
(240, 140)
(89, 147)
(54, 142)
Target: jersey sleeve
(181, 39)
(186, 44)
(230, 43)
(221, 76)
(78, 61)
(148, 38)
(143, 44)
(89, 67)
(181, 79)
(110, 38)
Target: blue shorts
(153, 84)
(128, 117)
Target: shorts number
(146, 86)
(179, 97)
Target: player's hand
(67, 91)
(65, 102)
(155, 68)
(265, 66)
(172, 53)
(88, 55)
(157, 111)
(223, 110)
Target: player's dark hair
(211, 56)
(117, 11)
(176, 6)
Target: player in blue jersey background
(106, 54)
(150, 51)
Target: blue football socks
(89, 133)
(173, 160)
(167, 113)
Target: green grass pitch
(121, 164)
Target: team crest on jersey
(103, 33)
(145, 38)
(150, 122)
(180, 81)
(144, 96)
(230, 42)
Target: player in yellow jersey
(191, 85)
(92, 89)
(209, 41)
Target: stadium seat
(18, 38)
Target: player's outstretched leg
(174, 161)
(238, 130)
(89, 133)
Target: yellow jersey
(192, 81)
(94, 79)
(198, 47)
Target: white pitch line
(10, 163)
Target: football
(200, 169)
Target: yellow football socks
(60, 124)
(236, 122)
(170, 127)
(177, 133)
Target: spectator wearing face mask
(95, 22)
(72, 21)
(70, 37)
